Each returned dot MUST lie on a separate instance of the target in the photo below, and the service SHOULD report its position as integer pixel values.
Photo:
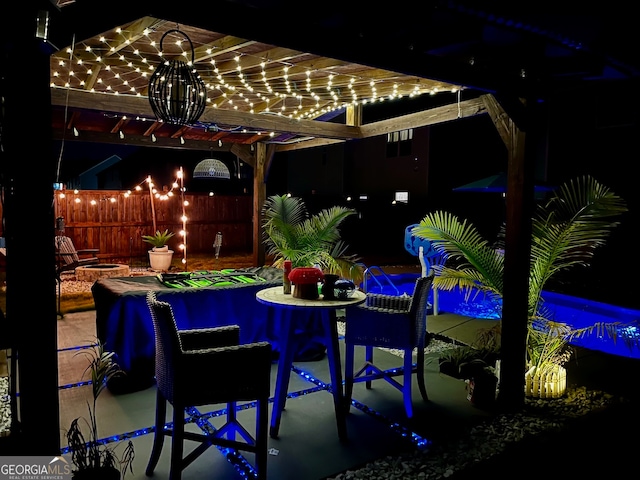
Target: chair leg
(262, 427)
(368, 358)
(420, 374)
(348, 376)
(158, 436)
(177, 443)
(406, 387)
(232, 420)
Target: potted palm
(159, 239)
(159, 256)
(92, 458)
(291, 233)
(566, 231)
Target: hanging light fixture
(211, 168)
(176, 91)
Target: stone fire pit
(91, 273)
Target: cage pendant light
(211, 168)
(176, 91)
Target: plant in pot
(291, 233)
(566, 231)
(159, 239)
(477, 364)
(159, 256)
(94, 459)
(463, 362)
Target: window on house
(399, 143)
(401, 196)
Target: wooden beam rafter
(311, 133)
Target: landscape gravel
(485, 440)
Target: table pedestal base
(284, 373)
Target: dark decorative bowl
(344, 289)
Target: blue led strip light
(115, 438)
(73, 385)
(80, 347)
(242, 466)
(417, 440)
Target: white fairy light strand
(147, 182)
(251, 89)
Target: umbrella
(495, 183)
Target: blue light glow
(574, 311)
(404, 432)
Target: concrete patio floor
(308, 447)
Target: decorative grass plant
(92, 458)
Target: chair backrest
(67, 251)
(167, 343)
(419, 306)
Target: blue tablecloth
(124, 326)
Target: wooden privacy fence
(114, 222)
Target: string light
(249, 76)
(177, 184)
(183, 232)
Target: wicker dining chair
(391, 322)
(201, 367)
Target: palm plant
(566, 232)
(159, 239)
(291, 233)
(92, 456)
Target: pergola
(446, 47)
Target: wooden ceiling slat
(72, 119)
(269, 57)
(224, 45)
(154, 126)
(119, 124)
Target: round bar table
(274, 297)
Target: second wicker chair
(201, 367)
(391, 322)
